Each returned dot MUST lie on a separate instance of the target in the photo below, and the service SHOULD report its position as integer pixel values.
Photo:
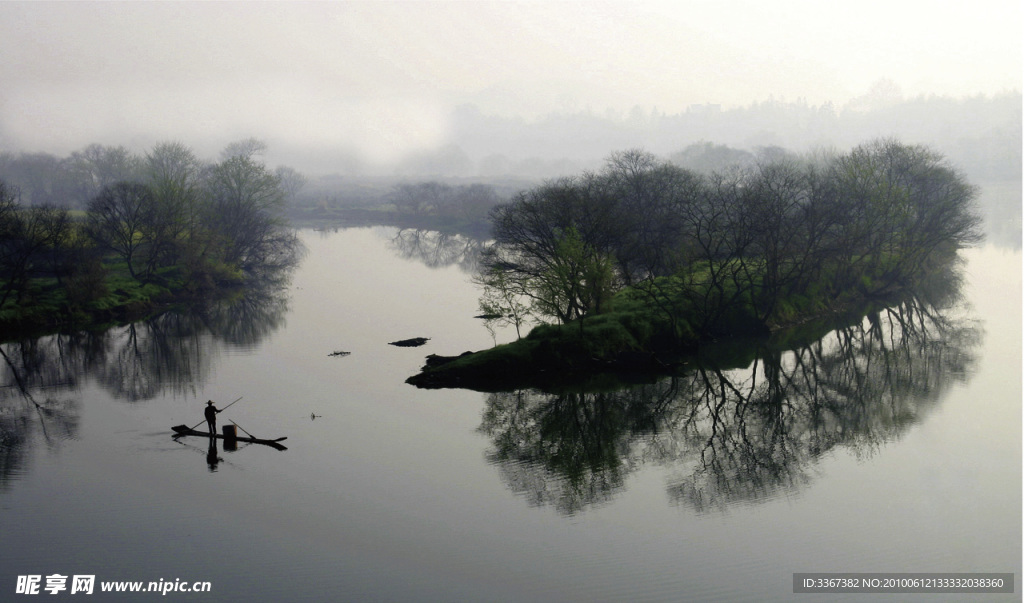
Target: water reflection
(27, 417)
(733, 436)
(211, 455)
(437, 249)
(170, 353)
(431, 248)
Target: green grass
(671, 314)
(45, 307)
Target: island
(628, 268)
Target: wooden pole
(243, 429)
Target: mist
(478, 89)
(361, 97)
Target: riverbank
(347, 217)
(550, 357)
(639, 340)
(49, 307)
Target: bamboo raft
(184, 430)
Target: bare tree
(173, 173)
(248, 148)
(32, 242)
(118, 218)
(244, 204)
(292, 181)
(99, 166)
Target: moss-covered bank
(647, 335)
(48, 306)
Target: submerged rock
(410, 343)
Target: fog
(348, 87)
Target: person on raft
(211, 416)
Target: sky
(384, 77)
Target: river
(879, 448)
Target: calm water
(879, 448)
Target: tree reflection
(173, 352)
(566, 450)
(733, 436)
(26, 418)
(438, 249)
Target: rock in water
(410, 343)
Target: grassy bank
(651, 330)
(48, 306)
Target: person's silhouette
(211, 417)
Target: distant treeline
(73, 181)
(979, 134)
(431, 205)
(156, 228)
